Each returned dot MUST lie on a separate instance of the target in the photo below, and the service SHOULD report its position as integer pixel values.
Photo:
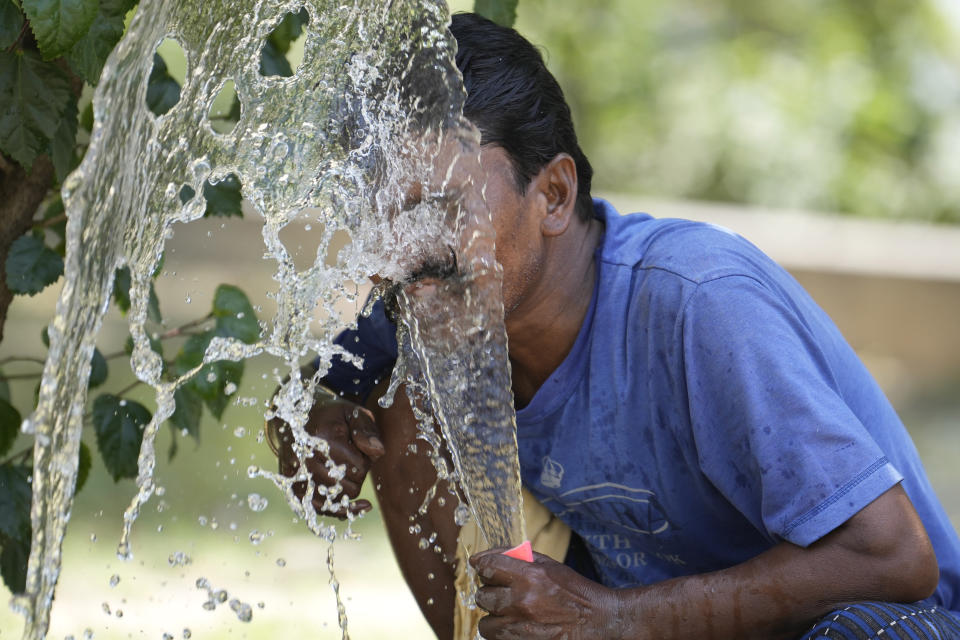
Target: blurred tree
(837, 106)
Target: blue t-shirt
(708, 410)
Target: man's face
(457, 209)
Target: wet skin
(881, 553)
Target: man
(727, 466)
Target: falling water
(374, 107)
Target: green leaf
(59, 24)
(90, 52)
(162, 90)
(273, 62)
(235, 317)
(117, 7)
(11, 21)
(211, 383)
(191, 353)
(35, 95)
(288, 30)
(45, 336)
(4, 388)
(14, 501)
(63, 145)
(119, 426)
(86, 117)
(31, 266)
(98, 369)
(155, 344)
(186, 417)
(121, 296)
(211, 380)
(153, 307)
(503, 12)
(10, 420)
(53, 210)
(223, 198)
(13, 561)
(84, 463)
(121, 289)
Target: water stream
(374, 108)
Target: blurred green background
(840, 107)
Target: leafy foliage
(87, 56)
(273, 59)
(235, 317)
(11, 22)
(59, 24)
(35, 96)
(119, 426)
(42, 63)
(503, 12)
(224, 197)
(163, 92)
(14, 501)
(835, 106)
(10, 421)
(31, 266)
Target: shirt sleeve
(375, 342)
(772, 432)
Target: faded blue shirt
(708, 410)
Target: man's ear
(557, 183)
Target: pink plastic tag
(521, 552)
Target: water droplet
(167, 636)
(106, 608)
(239, 432)
(202, 520)
(186, 634)
(423, 544)
(461, 515)
(429, 601)
(243, 610)
(93, 537)
(256, 502)
(179, 559)
(119, 613)
(114, 580)
(281, 562)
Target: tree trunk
(21, 193)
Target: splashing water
(375, 107)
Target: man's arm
(881, 553)
(402, 477)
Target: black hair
(516, 102)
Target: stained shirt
(708, 410)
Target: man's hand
(354, 441)
(540, 599)
(881, 553)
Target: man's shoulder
(687, 249)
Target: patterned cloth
(887, 621)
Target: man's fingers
(494, 568)
(356, 507)
(364, 432)
(494, 600)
